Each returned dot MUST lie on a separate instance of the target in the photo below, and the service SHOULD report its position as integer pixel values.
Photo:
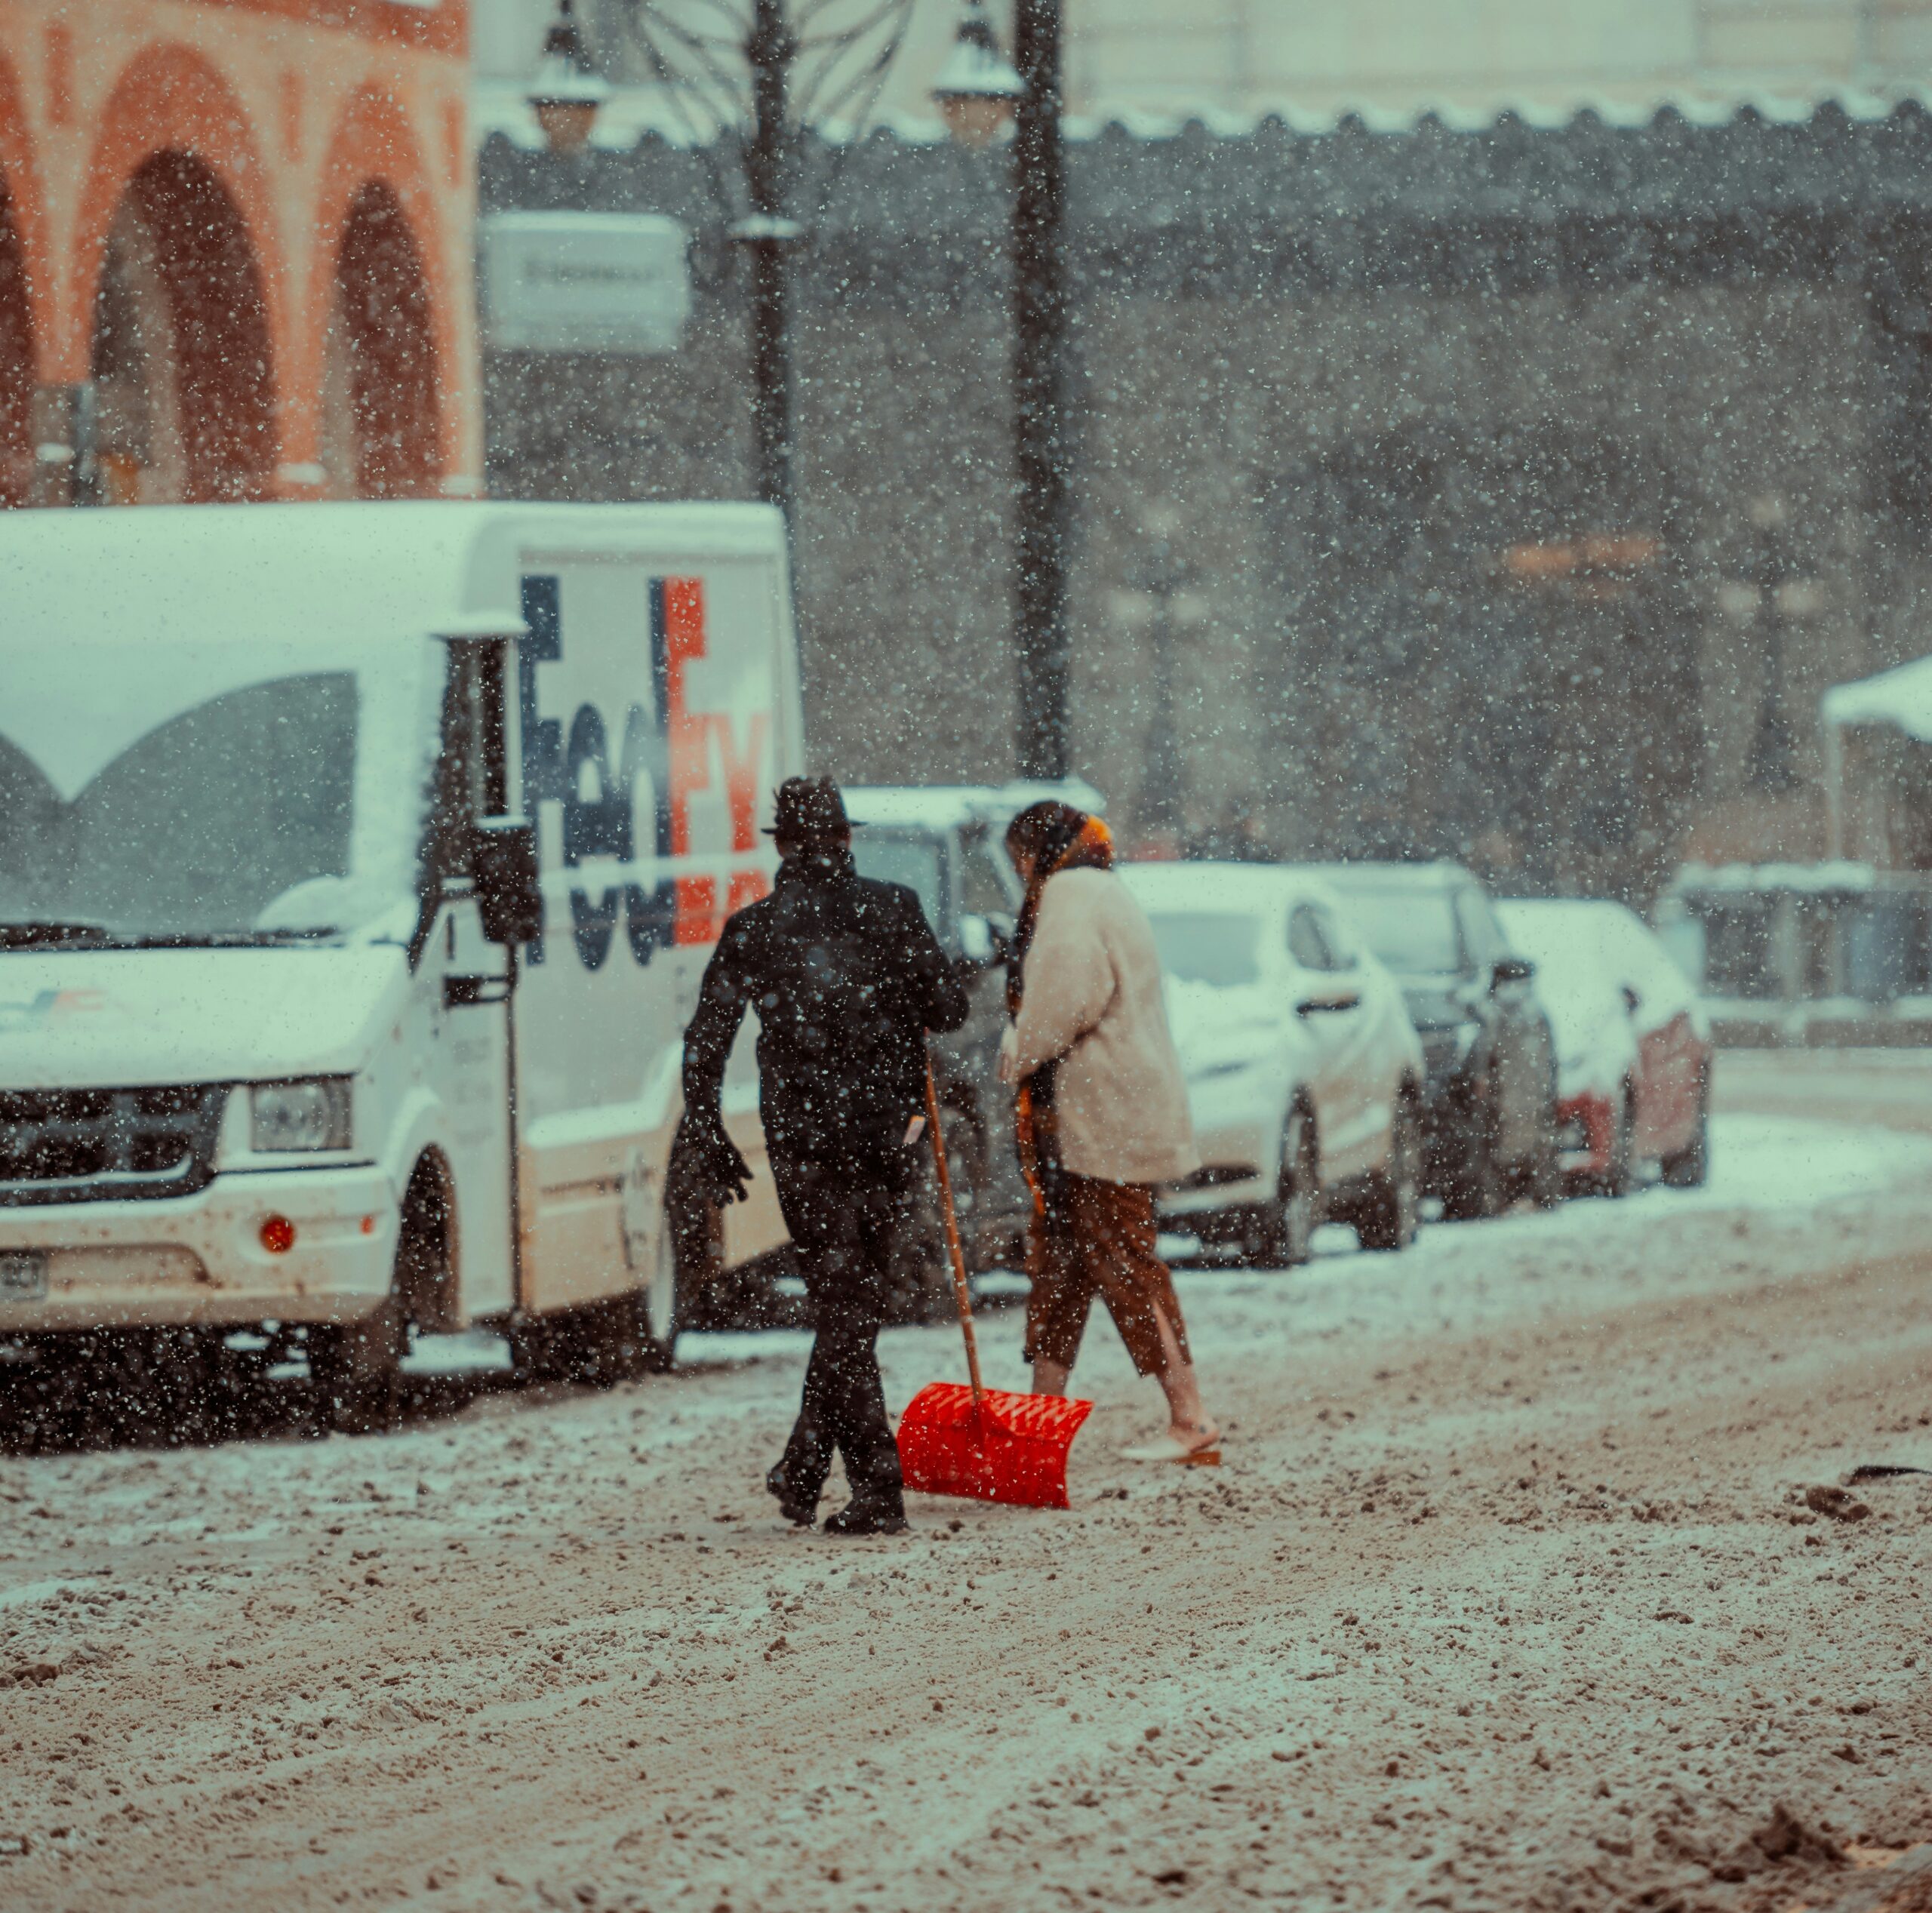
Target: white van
(293, 1035)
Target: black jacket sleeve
(727, 988)
(939, 981)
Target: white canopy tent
(1899, 700)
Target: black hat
(809, 810)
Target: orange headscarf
(1090, 847)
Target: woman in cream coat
(1103, 1117)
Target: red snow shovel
(978, 1442)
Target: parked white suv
(1304, 1072)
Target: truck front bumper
(201, 1259)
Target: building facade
(235, 251)
(1510, 494)
(1311, 60)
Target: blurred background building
(1528, 427)
(1315, 59)
(235, 248)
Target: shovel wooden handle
(961, 1293)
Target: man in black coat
(847, 977)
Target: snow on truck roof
(948, 806)
(178, 602)
(247, 572)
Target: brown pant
(1099, 1240)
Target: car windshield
(903, 857)
(1218, 947)
(232, 819)
(1413, 931)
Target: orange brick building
(235, 251)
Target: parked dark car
(945, 843)
(1489, 1119)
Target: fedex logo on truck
(594, 777)
(36, 1012)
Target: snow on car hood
(1216, 1026)
(1596, 1048)
(129, 1018)
(1580, 989)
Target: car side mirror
(1344, 999)
(1631, 999)
(503, 864)
(1511, 970)
(987, 940)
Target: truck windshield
(232, 819)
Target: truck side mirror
(503, 864)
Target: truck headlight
(312, 1114)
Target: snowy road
(1508, 1596)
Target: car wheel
(1475, 1189)
(1690, 1167)
(1390, 1218)
(1542, 1180)
(1285, 1237)
(1618, 1173)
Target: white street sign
(607, 282)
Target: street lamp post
(758, 74)
(1040, 394)
(975, 90)
(768, 238)
(1779, 588)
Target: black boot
(791, 1504)
(865, 1515)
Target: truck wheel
(1285, 1238)
(1690, 1167)
(1391, 1217)
(357, 1369)
(660, 1315)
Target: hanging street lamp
(566, 95)
(977, 88)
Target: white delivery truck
(359, 864)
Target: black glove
(721, 1170)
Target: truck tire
(357, 1369)
(685, 1266)
(1391, 1215)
